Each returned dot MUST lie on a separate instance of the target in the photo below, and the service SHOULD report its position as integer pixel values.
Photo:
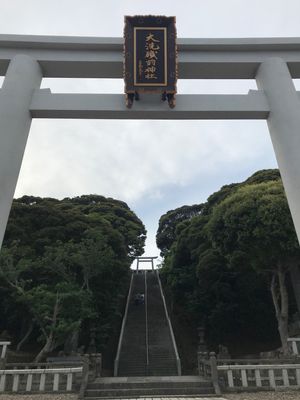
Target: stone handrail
(269, 376)
(146, 319)
(257, 361)
(37, 379)
(42, 365)
(250, 374)
(178, 362)
(116, 363)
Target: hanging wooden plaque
(150, 57)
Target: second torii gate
(145, 260)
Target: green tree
(168, 223)
(224, 293)
(254, 225)
(65, 268)
(57, 307)
(230, 302)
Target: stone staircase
(134, 387)
(162, 360)
(161, 354)
(147, 323)
(133, 361)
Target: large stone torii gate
(24, 60)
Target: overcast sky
(154, 166)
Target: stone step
(139, 359)
(132, 367)
(129, 356)
(136, 365)
(154, 391)
(161, 372)
(154, 372)
(133, 385)
(190, 397)
(162, 356)
(148, 372)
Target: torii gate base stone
(24, 60)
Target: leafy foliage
(168, 223)
(65, 266)
(254, 226)
(219, 264)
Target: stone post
(199, 362)
(22, 77)
(214, 373)
(201, 342)
(85, 376)
(202, 359)
(95, 361)
(274, 78)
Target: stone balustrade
(39, 380)
(272, 376)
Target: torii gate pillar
(284, 125)
(22, 77)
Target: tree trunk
(283, 332)
(46, 349)
(49, 345)
(281, 303)
(26, 336)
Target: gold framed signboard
(150, 57)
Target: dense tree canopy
(223, 262)
(168, 222)
(64, 269)
(254, 226)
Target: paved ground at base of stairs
(241, 396)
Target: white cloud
(207, 18)
(132, 160)
(145, 162)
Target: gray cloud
(153, 165)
